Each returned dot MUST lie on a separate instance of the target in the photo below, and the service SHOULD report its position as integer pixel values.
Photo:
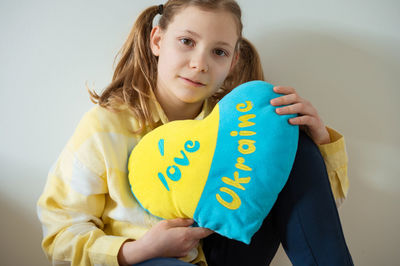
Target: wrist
(123, 254)
(325, 138)
(132, 252)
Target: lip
(192, 82)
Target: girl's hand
(308, 118)
(168, 238)
(174, 238)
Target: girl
(179, 69)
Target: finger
(200, 232)
(179, 222)
(285, 100)
(297, 108)
(306, 120)
(284, 90)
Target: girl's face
(196, 53)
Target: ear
(155, 40)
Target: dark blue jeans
(163, 262)
(304, 219)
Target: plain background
(341, 55)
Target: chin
(190, 98)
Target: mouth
(191, 82)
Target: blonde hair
(136, 72)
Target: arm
(70, 214)
(72, 205)
(330, 143)
(73, 229)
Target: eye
(186, 41)
(220, 52)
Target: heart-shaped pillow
(224, 171)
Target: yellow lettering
(240, 165)
(244, 119)
(237, 181)
(234, 204)
(243, 133)
(247, 133)
(246, 146)
(241, 107)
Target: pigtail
(135, 74)
(247, 68)
(249, 65)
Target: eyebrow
(198, 36)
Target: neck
(179, 111)
(182, 112)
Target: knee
(309, 168)
(308, 153)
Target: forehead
(215, 26)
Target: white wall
(342, 55)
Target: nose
(199, 62)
